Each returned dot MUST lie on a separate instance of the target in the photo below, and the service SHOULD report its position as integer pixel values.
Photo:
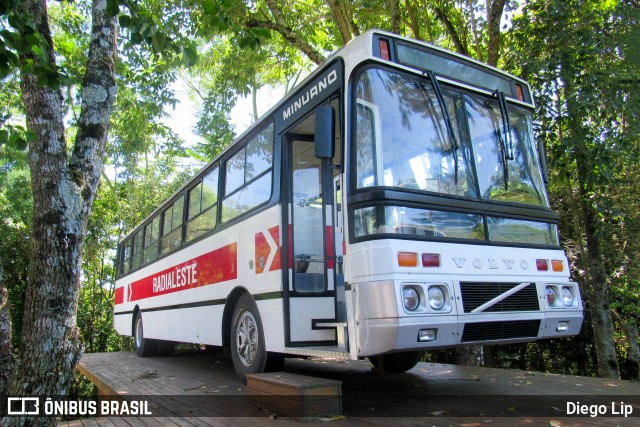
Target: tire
(396, 363)
(144, 347)
(248, 351)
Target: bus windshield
(412, 135)
(404, 140)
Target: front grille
(474, 294)
(491, 331)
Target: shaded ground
(203, 390)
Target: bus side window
(203, 200)
(126, 256)
(136, 252)
(248, 176)
(151, 235)
(172, 226)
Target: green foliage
(225, 49)
(20, 37)
(588, 113)
(16, 208)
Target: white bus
(392, 204)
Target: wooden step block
(295, 395)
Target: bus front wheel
(144, 347)
(248, 351)
(396, 363)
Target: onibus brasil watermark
(59, 407)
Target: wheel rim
(139, 332)
(247, 338)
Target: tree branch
(340, 20)
(281, 26)
(461, 47)
(98, 98)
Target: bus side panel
(245, 255)
(123, 323)
(272, 315)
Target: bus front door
(313, 310)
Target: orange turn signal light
(407, 259)
(557, 265)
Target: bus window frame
(199, 181)
(222, 179)
(364, 197)
(232, 149)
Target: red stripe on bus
(276, 264)
(329, 233)
(119, 296)
(263, 250)
(208, 269)
(290, 244)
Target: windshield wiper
(443, 107)
(506, 144)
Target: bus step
(325, 351)
(341, 331)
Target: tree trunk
(6, 358)
(341, 20)
(414, 22)
(395, 16)
(63, 191)
(474, 30)
(597, 290)
(630, 370)
(494, 15)
(602, 323)
(469, 355)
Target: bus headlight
(567, 296)
(552, 297)
(410, 298)
(436, 297)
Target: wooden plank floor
(196, 389)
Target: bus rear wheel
(396, 363)
(248, 351)
(144, 347)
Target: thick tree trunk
(630, 369)
(6, 358)
(63, 192)
(494, 15)
(599, 308)
(469, 355)
(597, 291)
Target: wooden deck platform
(197, 389)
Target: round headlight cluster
(436, 297)
(552, 298)
(410, 298)
(425, 298)
(567, 296)
(560, 297)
